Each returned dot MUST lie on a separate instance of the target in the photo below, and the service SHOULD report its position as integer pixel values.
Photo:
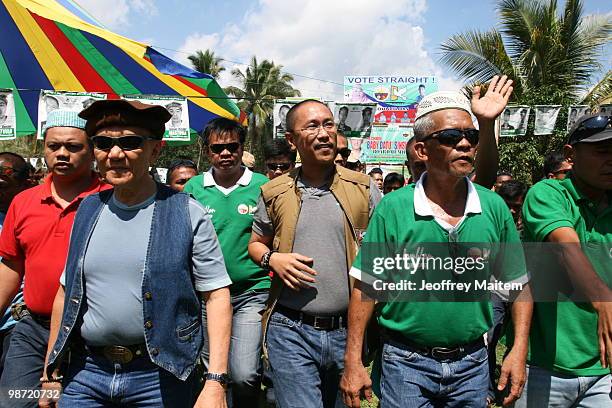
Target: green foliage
(206, 63)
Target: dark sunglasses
(218, 148)
(345, 152)
(450, 137)
(590, 127)
(278, 166)
(131, 142)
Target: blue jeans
(411, 380)
(306, 364)
(24, 361)
(245, 347)
(93, 381)
(546, 388)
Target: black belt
(114, 353)
(439, 353)
(318, 322)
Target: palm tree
(206, 63)
(260, 84)
(536, 46)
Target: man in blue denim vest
(141, 258)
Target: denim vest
(170, 304)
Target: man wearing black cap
(571, 341)
(135, 334)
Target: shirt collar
(421, 203)
(95, 186)
(244, 180)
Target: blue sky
(325, 39)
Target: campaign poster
(545, 119)
(574, 112)
(279, 114)
(397, 96)
(354, 119)
(177, 128)
(605, 109)
(8, 122)
(514, 121)
(72, 101)
(386, 145)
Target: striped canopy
(44, 46)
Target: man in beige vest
(306, 231)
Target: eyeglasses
(218, 148)
(450, 137)
(315, 129)
(278, 166)
(131, 142)
(591, 127)
(345, 152)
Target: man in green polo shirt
(230, 191)
(434, 352)
(571, 339)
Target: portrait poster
(605, 109)
(545, 119)
(574, 112)
(8, 121)
(514, 121)
(177, 128)
(354, 119)
(72, 101)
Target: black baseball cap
(591, 129)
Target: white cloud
(117, 13)
(343, 37)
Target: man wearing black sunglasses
(279, 158)
(143, 258)
(230, 191)
(571, 350)
(438, 344)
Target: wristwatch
(222, 379)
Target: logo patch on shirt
(244, 209)
(209, 210)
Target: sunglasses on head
(130, 142)
(278, 166)
(450, 137)
(590, 127)
(218, 148)
(345, 152)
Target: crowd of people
(120, 291)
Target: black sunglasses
(131, 142)
(590, 127)
(278, 166)
(450, 137)
(345, 152)
(218, 148)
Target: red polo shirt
(36, 232)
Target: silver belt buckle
(118, 354)
(319, 327)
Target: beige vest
(282, 199)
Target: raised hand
(493, 103)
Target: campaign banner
(606, 109)
(574, 112)
(72, 101)
(177, 128)
(545, 118)
(354, 119)
(8, 122)
(279, 114)
(397, 96)
(514, 121)
(386, 145)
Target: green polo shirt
(563, 336)
(232, 212)
(404, 217)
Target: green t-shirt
(232, 217)
(563, 334)
(399, 221)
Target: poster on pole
(386, 145)
(8, 122)
(545, 119)
(397, 96)
(279, 114)
(575, 112)
(73, 101)
(514, 121)
(177, 128)
(354, 119)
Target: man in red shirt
(33, 247)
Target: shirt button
(66, 328)
(148, 296)
(148, 324)
(154, 351)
